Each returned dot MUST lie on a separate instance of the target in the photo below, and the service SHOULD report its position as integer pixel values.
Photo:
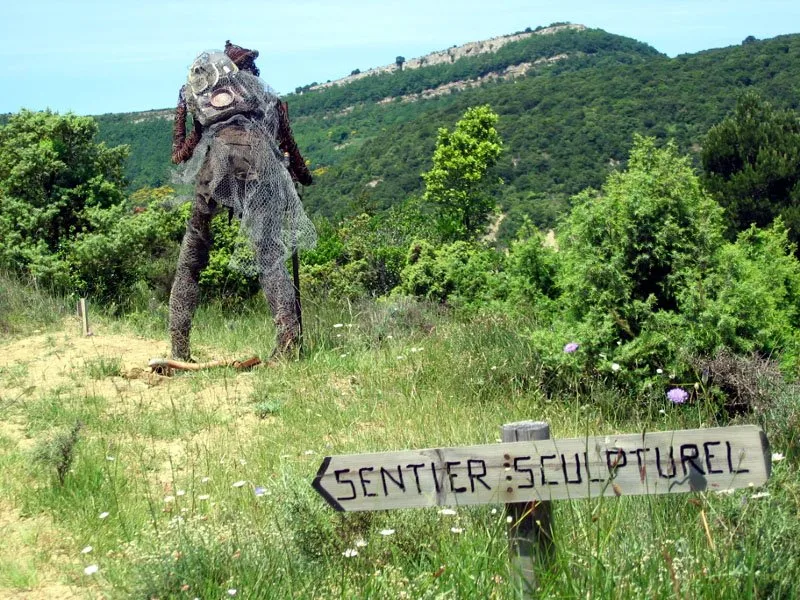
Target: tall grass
(24, 307)
(206, 491)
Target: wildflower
(447, 512)
(239, 484)
(350, 553)
(110, 458)
(386, 532)
(180, 493)
(659, 371)
(309, 452)
(232, 592)
(456, 530)
(360, 543)
(86, 550)
(205, 479)
(102, 515)
(777, 457)
(677, 395)
(91, 569)
(259, 491)
(615, 367)
(168, 499)
(760, 495)
(509, 519)
(338, 325)
(401, 357)
(571, 347)
(343, 355)
(203, 497)
(242, 462)
(494, 511)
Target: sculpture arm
(183, 148)
(297, 166)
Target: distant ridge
(451, 54)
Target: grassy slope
(162, 457)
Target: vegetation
(456, 184)
(752, 162)
(198, 486)
(565, 124)
(663, 299)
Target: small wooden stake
(83, 313)
(530, 533)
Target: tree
(52, 177)
(399, 62)
(628, 252)
(456, 182)
(752, 165)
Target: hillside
(569, 103)
(448, 56)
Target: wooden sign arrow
(667, 462)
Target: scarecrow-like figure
(240, 155)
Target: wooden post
(530, 533)
(83, 313)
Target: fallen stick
(179, 365)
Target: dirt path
(37, 558)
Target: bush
(460, 273)
(627, 253)
(124, 248)
(750, 301)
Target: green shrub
(628, 253)
(750, 301)
(461, 273)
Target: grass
(25, 309)
(203, 482)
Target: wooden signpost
(529, 469)
(667, 462)
(83, 315)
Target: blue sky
(93, 57)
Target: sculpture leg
(185, 294)
(280, 294)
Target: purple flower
(571, 347)
(677, 395)
(259, 491)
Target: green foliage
(365, 254)
(102, 367)
(58, 451)
(149, 136)
(531, 267)
(648, 281)
(219, 279)
(460, 273)
(750, 301)
(752, 164)
(626, 252)
(456, 184)
(565, 124)
(127, 247)
(54, 179)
